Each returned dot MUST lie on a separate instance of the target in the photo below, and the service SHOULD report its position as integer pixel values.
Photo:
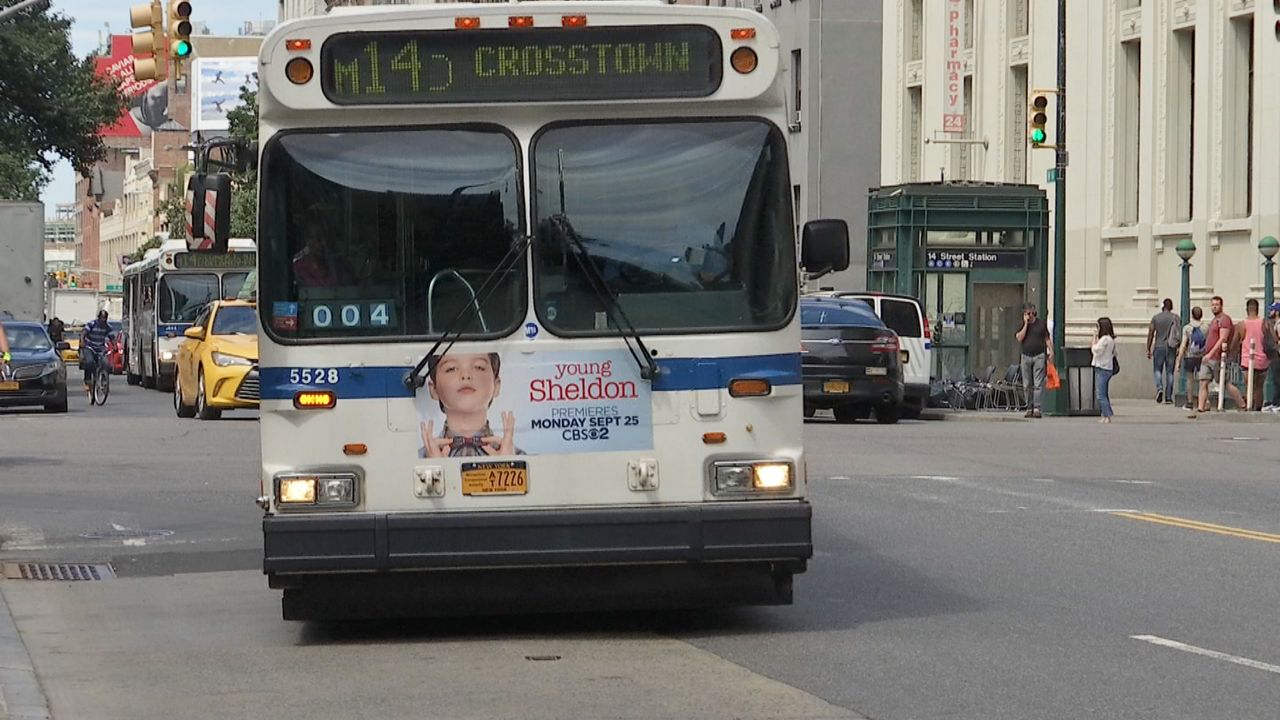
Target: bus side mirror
(824, 247)
(209, 202)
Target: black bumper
(870, 391)
(763, 531)
(45, 390)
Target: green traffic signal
(1038, 136)
(181, 49)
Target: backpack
(1195, 345)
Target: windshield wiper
(416, 378)
(562, 229)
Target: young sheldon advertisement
(516, 403)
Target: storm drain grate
(58, 572)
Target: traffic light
(180, 29)
(75, 281)
(149, 59)
(1038, 119)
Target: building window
(797, 83)
(1016, 169)
(1019, 18)
(1128, 137)
(915, 30)
(914, 139)
(1237, 121)
(1181, 111)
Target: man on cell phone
(1037, 350)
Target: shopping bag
(1051, 379)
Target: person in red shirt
(1219, 339)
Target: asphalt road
(1057, 569)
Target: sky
(95, 19)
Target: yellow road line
(1201, 526)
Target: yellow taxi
(218, 362)
(71, 353)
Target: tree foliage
(137, 255)
(243, 121)
(174, 210)
(52, 104)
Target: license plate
(835, 386)
(495, 478)
(877, 371)
(8, 385)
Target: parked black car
(38, 375)
(852, 363)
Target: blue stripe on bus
(280, 383)
(174, 329)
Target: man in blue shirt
(93, 345)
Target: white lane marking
(1042, 480)
(1114, 510)
(1133, 482)
(840, 477)
(942, 478)
(21, 537)
(1255, 664)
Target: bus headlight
(767, 476)
(316, 490)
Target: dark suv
(851, 361)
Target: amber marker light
(466, 23)
(297, 44)
(520, 21)
(314, 399)
(743, 33)
(749, 387)
(355, 449)
(573, 21)
(714, 438)
(743, 60)
(299, 71)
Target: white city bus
(164, 292)
(592, 199)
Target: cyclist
(93, 346)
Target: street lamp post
(1186, 249)
(1268, 246)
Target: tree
(174, 210)
(138, 254)
(243, 122)
(52, 104)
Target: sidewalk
(1127, 410)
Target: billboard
(217, 83)
(148, 100)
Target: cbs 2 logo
(313, 376)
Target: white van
(903, 315)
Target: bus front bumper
(772, 532)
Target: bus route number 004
(328, 316)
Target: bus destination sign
(215, 261)
(553, 64)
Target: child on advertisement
(465, 386)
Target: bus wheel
(202, 401)
(133, 378)
(149, 381)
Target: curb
(21, 697)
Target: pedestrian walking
(1257, 344)
(1164, 334)
(1191, 353)
(1273, 324)
(1104, 365)
(1219, 339)
(1037, 349)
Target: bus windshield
(183, 295)
(688, 222)
(389, 233)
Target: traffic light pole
(1058, 400)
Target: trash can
(1082, 398)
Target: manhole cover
(57, 571)
(120, 533)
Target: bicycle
(100, 380)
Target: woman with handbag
(1105, 365)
